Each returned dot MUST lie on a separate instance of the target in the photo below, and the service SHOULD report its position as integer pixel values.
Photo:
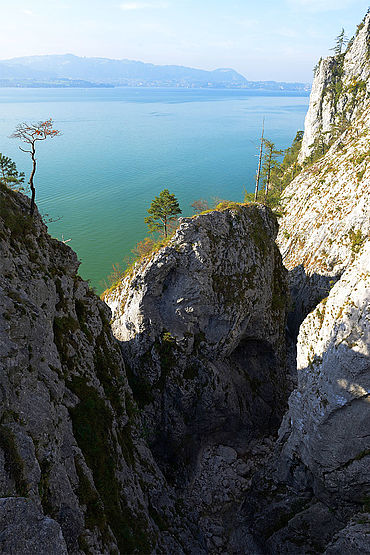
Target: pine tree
(9, 174)
(341, 41)
(270, 163)
(163, 211)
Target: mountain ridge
(124, 72)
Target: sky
(277, 40)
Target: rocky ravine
(202, 325)
(75, 467)
(167, 441)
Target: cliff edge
(340, 92)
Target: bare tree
(30, 133)
(259, 163)
(200, 205)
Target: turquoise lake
(120, 147)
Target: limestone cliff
(74, 467)
(164, 439)
(340, 91)
(326, 218)
(320, 468)
(328, 418)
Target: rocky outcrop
(202, 326)
(326, 219)
(318, 496)
(340, 91)
(74, 466)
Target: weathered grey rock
(340, 90)
(24, 529)
(328, 419)
(70, 437)
(326, 219)
(353, 539)
(202, 326)
(307, 531)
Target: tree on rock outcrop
(340, 43)
(30, 133)
(269, 165)
(9, 175)
(163, 211)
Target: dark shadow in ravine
(306, 292)
(319, 475)
(196, 402)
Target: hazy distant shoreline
(87, 85)
(70, 71)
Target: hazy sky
(262, 39)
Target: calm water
(121, 147)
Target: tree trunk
(165, 228)
(33, 191)
(259, 163)
(268, 177)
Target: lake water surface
(120, 147)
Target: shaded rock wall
(71, 443)
(328, 419)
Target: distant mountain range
(68, 70)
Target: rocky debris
(354, 538)
(340, 91)
(326, 221)
(223, 478)
(71, 441)
(24, 529)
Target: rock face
(202, 327)
(340, 90)
(322, 457)
(165, 442)
(312, 494)
(24, 529)
(328, 419)
(326, 218)
(73, 463)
